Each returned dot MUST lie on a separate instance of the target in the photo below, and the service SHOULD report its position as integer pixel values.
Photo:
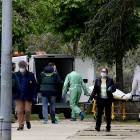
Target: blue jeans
(45, 101)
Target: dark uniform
(103, 103)
(15, 90)
(48, 81)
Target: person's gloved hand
(90, 101)
(87, 94)
(109, 89)
(63, 95)
(34, 99)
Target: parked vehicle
(64, 65)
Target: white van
(64, 65)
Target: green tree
(45, 42)
(50, 44)
(67, 18)
(113, 32)
(28, 18)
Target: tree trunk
(75, 48)
(119, 74)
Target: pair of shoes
(44, 122)
(19, 128)
(28, 125)
(73, 119)
(56, 120)
(82, 116)
(97, 129)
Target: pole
(6, 69)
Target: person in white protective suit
(136, 82)
(76, 82)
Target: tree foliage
(50, 44)
(45, 42)
(67, 18)
(28, 18)
(113, 31)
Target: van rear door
(88, 73)
(64, 65)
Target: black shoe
(107, 130)
(97, 129)
(28, 125)
(13, 122)
(19, 128)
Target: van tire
(67, 113)
(40, 115)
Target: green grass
(87, 135)
(125, 135)
(136, 130)
(35, 116)
(89, 130)
(132, 121)
(109, 135)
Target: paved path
(130, 132)
(78, 130)
(48, 131)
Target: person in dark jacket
(103, 89)
(28, 93)
(48, 81)
(15, 89)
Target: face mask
(103, 74)
(22, 70)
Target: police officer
(14, 91)
(48, 80)
(15, 85)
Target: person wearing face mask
(103, 89)
(28, 93)
(76, 83)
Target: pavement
(79, 130)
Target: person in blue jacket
(28, 93)
(48, 81)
